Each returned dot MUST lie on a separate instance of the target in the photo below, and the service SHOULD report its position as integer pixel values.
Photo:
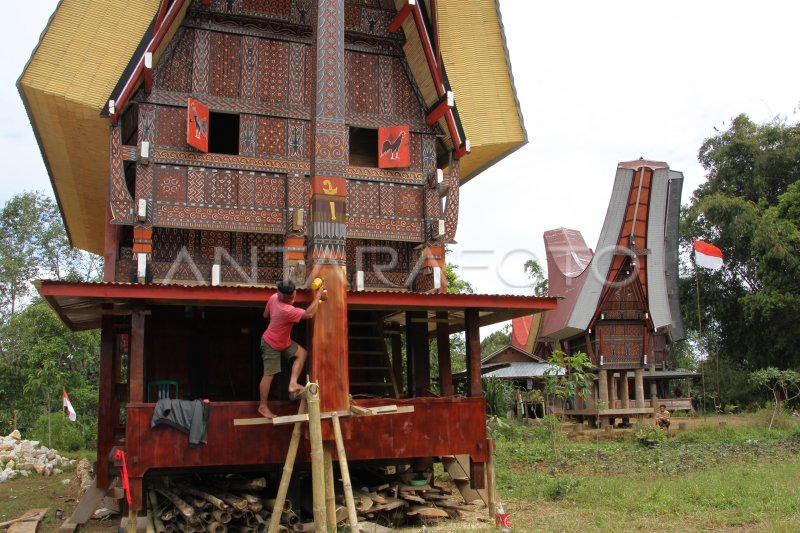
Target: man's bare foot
(295, 387)
(265, 412)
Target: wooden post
(612, 391)
(443, 351)
(602, 396)
(106, 418)
(624, 393)
(415, 329)
(330, 493)
(317, 459)
(288, 467)
(136, 359)
(473, 341)
(347, 487)
(638, 380)
(491, 487)
(397, 361)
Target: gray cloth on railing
(190, 417)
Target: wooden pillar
(136, 358)
(602, 387)
(473, 341)
(106, 418)
(443, 350)
(110, 246)
(638, 381)
(612, 391)
(624, 393)
(417, 353)
(397, 360)
(328, 232)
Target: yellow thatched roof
(88, 44)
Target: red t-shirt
(282, 317)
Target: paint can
(502, 519)
(59, 514)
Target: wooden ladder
(458, 468)
(370, 366)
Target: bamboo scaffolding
(288, 467)
(347, 487)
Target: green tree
(496, 340)
(536, 274)
(784, 386)
(568, 377)
(750, 208)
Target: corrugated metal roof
(521, 370)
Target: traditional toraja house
(210, 148)
(619, 304)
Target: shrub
(649, 436)
(562, 488)
(65, 436)
(500, 396)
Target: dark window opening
(223, 133)
(129, 125)
(363, 147)
(129, 170)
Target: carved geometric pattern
(623, 303)
(200, 63)
(221, 188)
(363, 199)
(621, 343)
(408, 202)
(247, 134)
(210, 240)
(266, 248)
(331, 147)
(451, 208)
(171, 184)
(280, 9)
(247, 190)
(240, 162)
(385, 228)
(225, 59)
(273, 56)
(171, 127)
(388, 199)
(433, 204)
(174, 70)
(271, 137)
(352, 16)
(405, 100)
(236, 105)
(270, 192)
(147, 123)
(228, 219)
(231, 7)
(144, 183)
(168, 242)
(385, 263)
(297, 139)
(299, 190)
(330, 60)
(385, 86)
(249, 67)
(428, 156)
(195, 186)
(298, 67)
(378, 174)
(362, 83)
(415, 149)
(121, 201)
(302, 12)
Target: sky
(598, 83)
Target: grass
(740, 477)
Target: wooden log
(311, 392)
(304, 527)
(185, 509)
(257, 483)
(427, 512)
(286, 476)
(210, 498)
(239, 504)
(155, 509)
(330, 494)
(490, 481)
(151, 526)
(344, 469)
(412, 497)
(223, 517)
(364, 503)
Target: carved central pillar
(328, 228)
(638, 381)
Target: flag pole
(699, 326)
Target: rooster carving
(393, 146)
(199, 124)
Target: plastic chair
(163, 388)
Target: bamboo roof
(87, 46)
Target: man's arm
(266, 310)
(311, 310)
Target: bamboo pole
(317, 459)
(490, 481)
(288, 467)
(330, 494)
(345, 471)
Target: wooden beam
(401, 16)
(136, 358)
(148, 72)
(462, 150)
(443, 353)
(444, 105)
(106, 419)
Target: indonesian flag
(68, 406)
(707, 255)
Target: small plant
(64, 435)
(649, 436)
(562, 488)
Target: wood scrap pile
(214, 504)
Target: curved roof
(83, 55)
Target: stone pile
(19, 457)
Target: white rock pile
(20, 457)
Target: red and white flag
(707, 255)
(68, 406)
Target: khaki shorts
(272, 357)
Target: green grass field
(740, 477)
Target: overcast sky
(598, 83)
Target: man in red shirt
(276, 341)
